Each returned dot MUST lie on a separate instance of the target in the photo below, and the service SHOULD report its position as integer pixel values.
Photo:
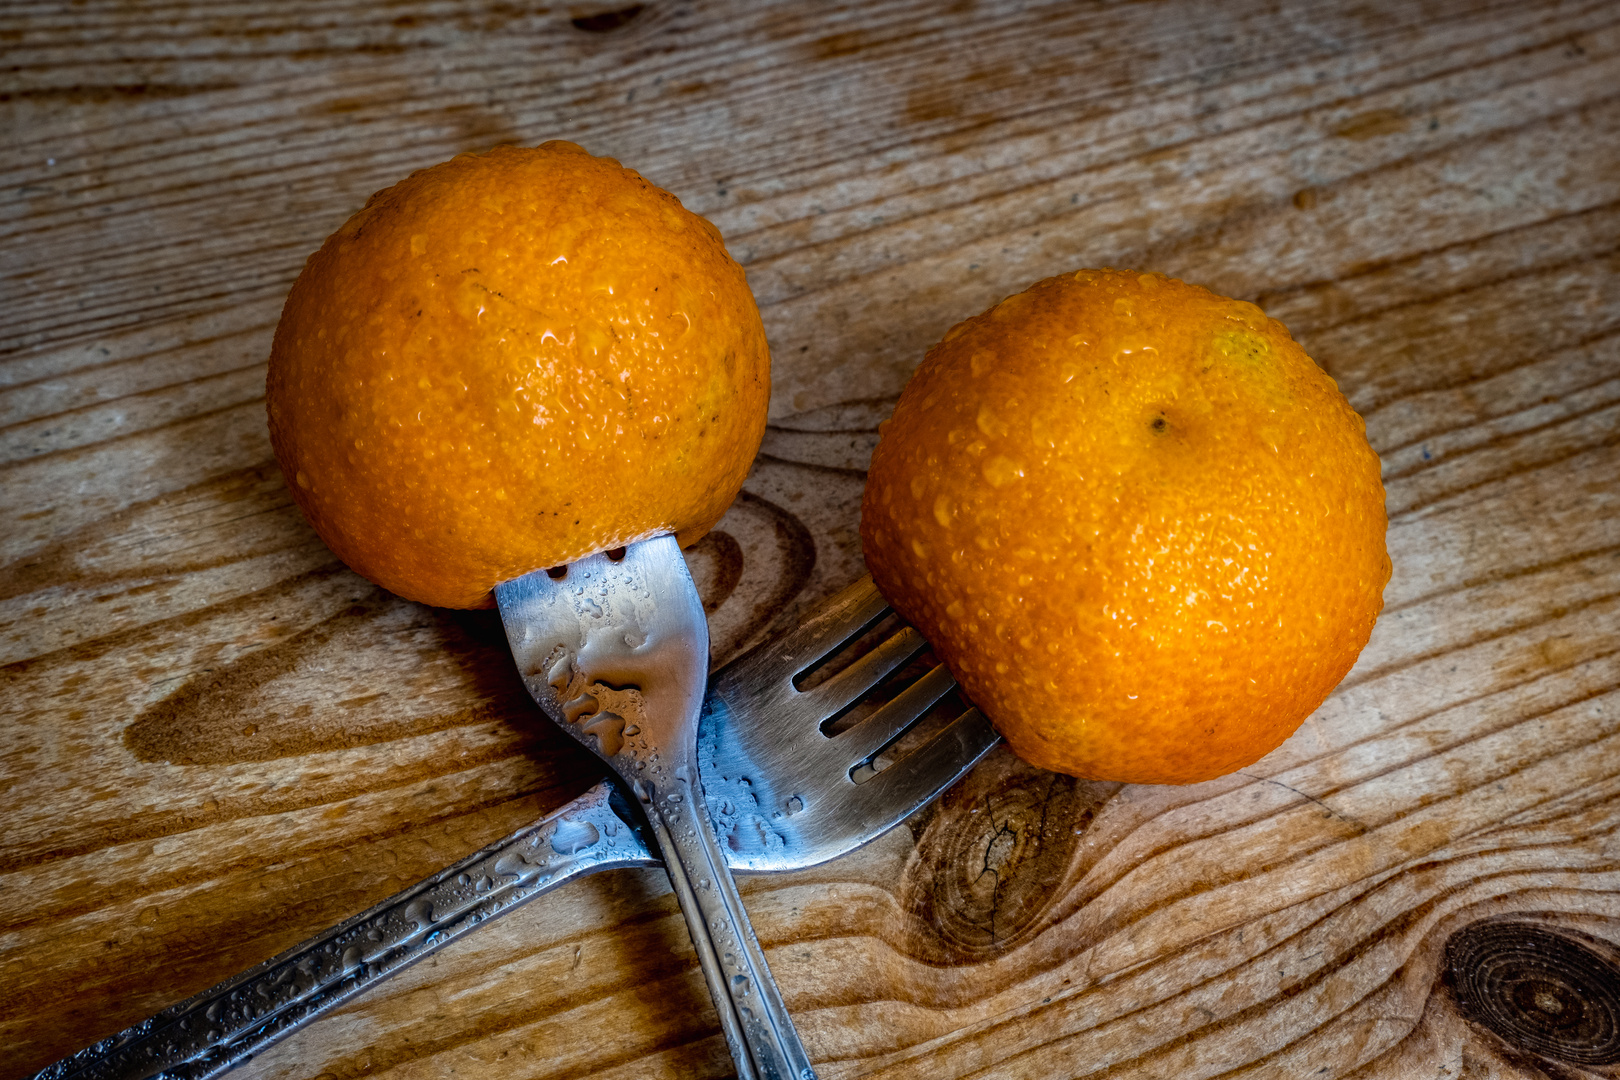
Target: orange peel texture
(1142, 528)
(510, 361)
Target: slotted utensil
(761, 745)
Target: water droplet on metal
(572, 837)
(420, 912)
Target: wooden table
(217, 740)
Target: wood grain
(217, 740)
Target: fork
(761, 745)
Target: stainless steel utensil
(761, 740)
(615, 648)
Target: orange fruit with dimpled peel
(510, 361)
(1142, 528)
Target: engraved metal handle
(728, 951)
(220, 1028)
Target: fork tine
(841, 618)
(832, 696)
(952, 751)
(872, 734)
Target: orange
(509, 361)
(1142, 528)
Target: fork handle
(224, 1026)
(728, 952)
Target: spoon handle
(728, 951)
(615, 648)
(205, 1035)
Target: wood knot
(994, 858)
(1550, 992)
